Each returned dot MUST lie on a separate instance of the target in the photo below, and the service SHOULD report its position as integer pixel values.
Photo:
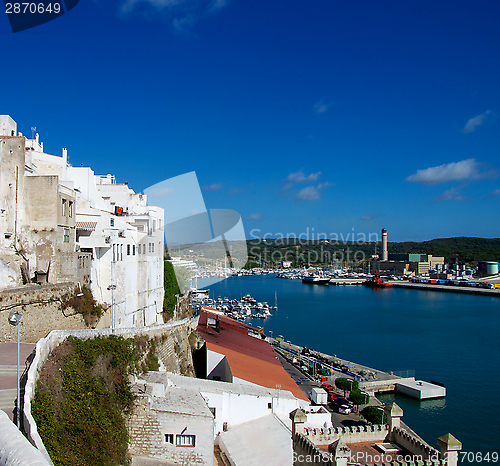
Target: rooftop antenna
(33, 130)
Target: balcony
(94, 241)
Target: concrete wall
(38, 319)
(235, 408)
(15, 450)
(414, 445)
(307, 453)
(12, 162)
(355, 434)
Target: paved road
(305, 384)
(8, 373)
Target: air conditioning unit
(121, 234)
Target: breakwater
(447, 288)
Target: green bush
(171, 289)
(79, 407)
(345, 384)
(359, 398)
(374, 414)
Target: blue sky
(300, 115)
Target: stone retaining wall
(41, 311)
(172, 331)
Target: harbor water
(447, 337)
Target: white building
(63, 223)
(249, 423)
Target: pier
(347, 281)
(448, 288)
(370, 380)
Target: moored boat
(377, 282)
(315, 280)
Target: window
(133, 249)
(112, 222)
(70, 209)
(169, 438)
(212, 410)
(121, 252)
(269, 406)
(144, 248)
(63, 211)
(66, 235)
(114, 254)
(149, 245)
(185, 440)
(154, 225)
(138, 249)
(152, 247)
(128, 249)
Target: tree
(359, 398)
(171, 289)
(346, 384)
(374, 414)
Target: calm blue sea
(447, 337)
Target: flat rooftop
(420, 389)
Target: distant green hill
(302, 252)
(467, 249)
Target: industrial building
(406, 263)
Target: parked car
(328, 387)
(342, 405)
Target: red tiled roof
(90, 226)
(250, 358)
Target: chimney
(385, 254)
(65, 155)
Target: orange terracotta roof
(250, 358)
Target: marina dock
(448, 288)
(370, 380)
(347, 281)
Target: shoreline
(446, 288)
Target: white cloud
(183, 14)
(494, 194)
(473, 123)
(452, 194)
(465, 169)
(235, 192)
(299, 177)
(212, 187)
(321, 106)
(255, 217)
(367, 218)
(312, 193)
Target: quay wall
(378, 386)
(45, 345)
(448, 288)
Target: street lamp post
(112, 288)
(14, 319)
